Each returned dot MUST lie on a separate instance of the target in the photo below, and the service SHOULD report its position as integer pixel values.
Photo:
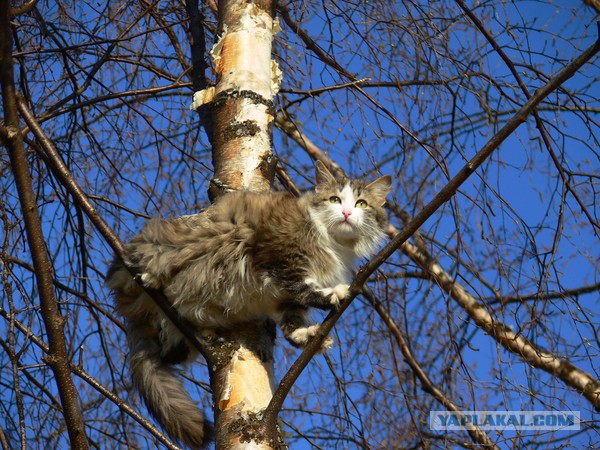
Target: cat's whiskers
(249, 256)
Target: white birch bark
(243, 112)
(242, 100)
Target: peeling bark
(243, 112)
(243, 387)
(242, 101)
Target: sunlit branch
(23, 9)
(538, 121)
(478, 435)
(563, 369)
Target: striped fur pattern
(248, 256)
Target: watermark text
(504, 420)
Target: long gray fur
(248, 256)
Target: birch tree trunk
(241, 362)
(242, 100)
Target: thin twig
(586, 385)
(57, 357)
(477, 434)
(63, 174)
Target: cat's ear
(379, 189)
(323, 175)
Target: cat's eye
(361, 204)
(335, 199)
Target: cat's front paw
(301, 336)
(335, 295)
(148, 280)
(339, 293)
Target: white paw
(339, 293)
(336, 294)
(326, 292)
(326, 344)
(149, 280)
(302, 336)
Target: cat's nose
(346, 214)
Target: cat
(248, 256)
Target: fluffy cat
(248, 256)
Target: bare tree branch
(495, 288)
(58, 358)
(581, 381)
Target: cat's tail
(153, 374)
(164, 393)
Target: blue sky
(520, 204)
(510, 204)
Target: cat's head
(351, 210)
